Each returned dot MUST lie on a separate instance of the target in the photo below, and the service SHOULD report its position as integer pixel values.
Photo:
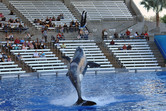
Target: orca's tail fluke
(81, 102)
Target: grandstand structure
(113, 15)
(140, 57)
(92, 52)
(103, 10)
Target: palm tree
(156, 5)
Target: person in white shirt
(36, 54)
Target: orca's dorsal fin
(93, 64)
(67, 58)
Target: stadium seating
(140, 57)
(92, 52)
(99, 10)
(42, 9)
(41, 64)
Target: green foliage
(155, 5)
(164, 19)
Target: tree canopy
(156, 5)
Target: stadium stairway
(157, 53)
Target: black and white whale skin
(76, 71)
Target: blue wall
(160, 41)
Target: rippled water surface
(120, 92)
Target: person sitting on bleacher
(86, 33)
(23, 47)
(124, 47)
(22, 41)
(19, 57)
(129, 47)
(146, 36)
(142, 35)
(59, 36)
(65, 28)
(11, 12)
(42, 45)
(3, 18)
(36, 54)
(58, 19)
(4, 56)
(35, 46)
(63, 45)
(53, 18)
(1, 15)
(38, 45)
(104, 34)
(31, 46)
(136, 35)
(128, 33)
(42, 54)
(17, 41)
(16, 47)
(57, 43)
(9, 59)
(116, 36)
(112, 42)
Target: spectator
(136, 35)
(35, 46)
(42, 45)
(104, 34)
(116, 36)
(59, 36)
(62, 37)
(22, 41)
(53, 18)
(129, 47)
(63, 45)
(112, 42)
(71, 27)
(11, 12)
(11, 37)
(7, 38)
(31, 46)
(3, 18)
(38, 45)
(42, 54)
(124, 47)
(23, 47)
(142, 35)
(58, 18)
(65, 28)
(9, 59)
(2, 60)
(36, 54)
(128, 33)
(45, 35)
(17, 41)
(86, 33)
(76, 26)
(28, 36)
(16, 47)
(146, 36)
(1, 15)
(19, 57)
(57, 43)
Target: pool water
(116, 92)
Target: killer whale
(77, 68)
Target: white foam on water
(67, 100)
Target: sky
(144, 11)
